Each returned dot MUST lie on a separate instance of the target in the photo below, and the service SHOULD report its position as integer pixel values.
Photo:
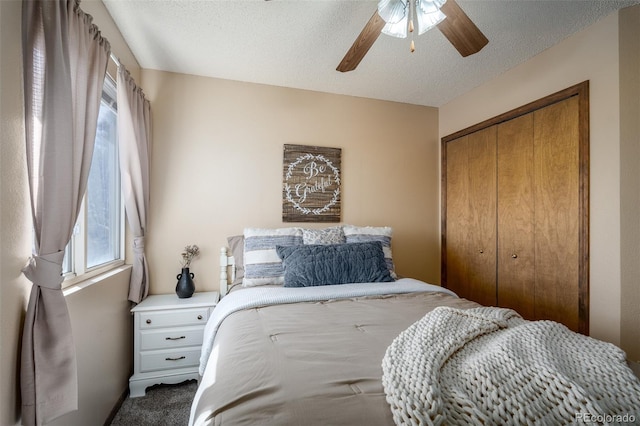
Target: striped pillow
(261, 262)
(363, 234)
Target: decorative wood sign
(311, 184)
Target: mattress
(307, 356)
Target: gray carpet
(162, 405)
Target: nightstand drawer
(169, 360)
(171, 338)
(173, 318)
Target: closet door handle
(481, 251)
(514, 256)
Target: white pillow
(362, 234)
(261, 262)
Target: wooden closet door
(557, 218)
(541, 199)
(471, 216)
(516, 215)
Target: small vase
(185, 286)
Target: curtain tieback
(45, 270)
(138, 245)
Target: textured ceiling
(299, 43)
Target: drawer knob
(148, 321)
(199, 317)
(175, 338)
(514, 256)
(175, 359)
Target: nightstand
(167, 339)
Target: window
(98, 237)
(103, 190)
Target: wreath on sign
(336, 178)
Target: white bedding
(264, 296)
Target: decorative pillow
(333, 235)
(261, 262)
(329, 264)
(358, 234)
(236, 244)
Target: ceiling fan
(450, 19)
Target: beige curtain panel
(65, 61)
(134, 143)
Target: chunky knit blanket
(490, 366)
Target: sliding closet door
(516, 215)
(471, 216)
(516, 210)
(557, 218)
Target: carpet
(162, 405)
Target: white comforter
(264, 296)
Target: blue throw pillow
(329, 264)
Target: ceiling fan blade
(363, 43)
(460, 30)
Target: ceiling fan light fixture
(429, 6)
(426, 21)
(396, 30)
(393, 11)
(399, 14)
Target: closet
(515, 210)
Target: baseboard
(114, 410)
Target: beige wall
(99, 313)
(589, 55)
(217, 168)
(102, 332)
(630, 180)
(15, 222)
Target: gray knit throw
(489, 366)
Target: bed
(368, 353)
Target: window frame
(76, 250)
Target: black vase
(185, 286)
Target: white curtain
(65, 61)
(134, 139)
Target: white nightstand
(168, 338)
